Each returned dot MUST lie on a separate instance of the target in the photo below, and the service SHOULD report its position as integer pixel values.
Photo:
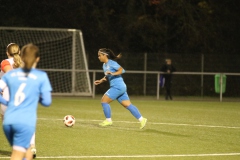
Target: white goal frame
(77, 72)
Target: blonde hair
(29, 54)
(14, 50)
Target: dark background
(183, 30)
(160, 26)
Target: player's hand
(108, 72)
(97, 82)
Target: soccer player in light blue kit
(118, 89)
(27, 86)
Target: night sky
(172, 26)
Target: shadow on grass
(164, 133)
(5, 153)
(150, 131)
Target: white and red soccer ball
(69, 120)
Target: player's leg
(33, 146)
(125, 102)
(17, 154)
(107, 98)
(2, 111)
(1, 117)
(21, 154)
(5, 95)
(29, 154)
(107, 108)
(21, 142)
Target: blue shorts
(19, 134)
(117, 93)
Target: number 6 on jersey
(19, 96)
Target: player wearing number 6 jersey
(27, 86)
(13, 61)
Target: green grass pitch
(176, 130)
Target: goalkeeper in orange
(118, 89)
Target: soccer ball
(69, 120)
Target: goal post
(62, 56)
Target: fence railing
(155, 83)
(175, 73)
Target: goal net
(62, 55)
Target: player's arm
(2, 86)
(46, 94)
(46, 98)
(97, 82)
(118, 72)
(5, 66)
(2, 100)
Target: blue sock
(106, 110)
(133, 109)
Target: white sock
(140, 119)
(109, 119)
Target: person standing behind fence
(168, 69)
(27, 87)
(118, 89)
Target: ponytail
(13, 50)
(17, 61)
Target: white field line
(172, 124)
(138, 156)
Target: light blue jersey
(116, 81)
(25, 91)
(118, 88)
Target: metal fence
(185, 84)
(195, 74)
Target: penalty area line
(139, 156)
